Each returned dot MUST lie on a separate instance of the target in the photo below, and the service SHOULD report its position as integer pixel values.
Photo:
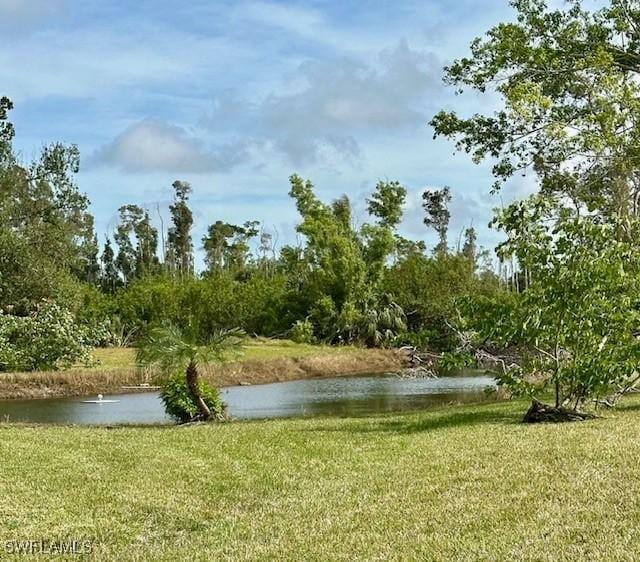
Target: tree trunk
(194, 389)
(541, 413)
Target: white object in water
(100, 400)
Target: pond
(340, 396)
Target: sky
(235, 96)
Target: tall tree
(239, 250)
(436, 205)
(216, 244)
(109, 279)
(91, 270)
(146, 245)
(469, 248)
(126, 258)
(7, 132)
(179, 235)
(137, 241)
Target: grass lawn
(254, 348)
(464, 483)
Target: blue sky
(234, 96)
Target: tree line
(340, 284)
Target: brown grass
(261, 371)
(81, 382)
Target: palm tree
(176, 351)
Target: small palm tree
(176, 351)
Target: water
(341, 396)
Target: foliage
(453, 361)
(46, 231)
(386, 203)
(172, 349)
(338, 285)
(47, 339)
(579, 314)
(568, 81)
(179, 403)
(180, 245)
(137, 241)
(344, 267)
(302, 332)
(436, 205)
(227, 245)
(429, 289)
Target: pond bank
(324, 363)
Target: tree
(126, 258)
(109, 279)
(180, 248)
(436, 204)
(336, 270)
(175, 350)
(227, 245)
(265, 247)
(238, 251)
(137, 241)
(7, 132)
(568, 81)
(340, 269)
(91, 270)
(146, 245)
(215, 244)
(386, 203)
(469, 248)
(578, 318)
(45, 227)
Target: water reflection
(340, 396)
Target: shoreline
(84, 382)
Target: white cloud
(151, 145)
(338, 102)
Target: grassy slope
(467, 483)
(255, 349)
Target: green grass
(464, 483)
(123, 357)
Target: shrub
(48, 338)
(179, 404)
(302, 332)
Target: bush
(302, 332)
(47, 339)
(179, 404)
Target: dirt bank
(79, 382)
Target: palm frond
(172, 350)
